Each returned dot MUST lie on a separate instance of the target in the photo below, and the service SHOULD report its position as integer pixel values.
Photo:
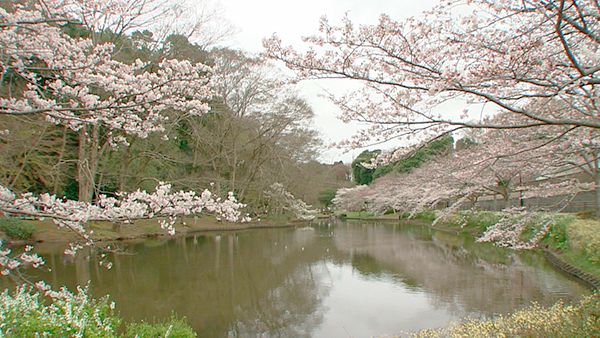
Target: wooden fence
(582, 202)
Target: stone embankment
(569, 269)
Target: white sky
(258, 19)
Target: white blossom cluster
(70, 314)
(163, 203)
(508, 232)
(88, 86)
(285, 200)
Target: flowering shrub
(558, 321)
(24, 314)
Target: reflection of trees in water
(232, 283)
(290, 310)
(453, 271)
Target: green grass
(482, 219)
(173, 328)
(467, 222)
(582, 247)
(357, 214)
(424, 215)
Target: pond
(322, 279)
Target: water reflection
(467, 278)
(328, 280)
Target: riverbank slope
(47, 231)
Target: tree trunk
(233, 170)
(87, 163)
(504, 191)
(125, 161)
(597, 193)
(506, 198)
(59, 163)
(83, 168)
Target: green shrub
(16, 228)
(557, 236)
(425, 215)
(25, 314)
(174, 327)
(483, 219)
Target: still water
(323, 279)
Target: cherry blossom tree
(77, 82)
(353, 199)
(282, 200)
(534, 62)
(537, 61)
(575, 156)
(495, 162)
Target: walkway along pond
(329, 279)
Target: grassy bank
(47, 231)
(368, 215)
(579, 244)
(575, 240)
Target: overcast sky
(258, 19)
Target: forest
(253, 129)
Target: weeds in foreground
(558, 321)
